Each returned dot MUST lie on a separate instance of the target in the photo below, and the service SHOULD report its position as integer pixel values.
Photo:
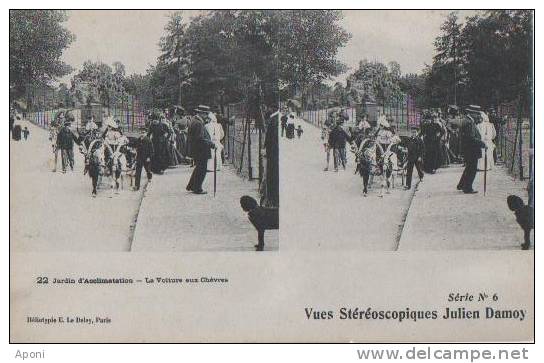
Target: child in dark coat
(26, 132)
(299, 131)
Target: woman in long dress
(181, 141)
(291, 127)
(488, 133)
(174, 158)
(216, 135)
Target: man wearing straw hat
(200, 149)
(471, 147)
(193, 130)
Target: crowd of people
(17, 132)
(457, 136)
(170, 137)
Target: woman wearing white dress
(216, 135)
(488, 133)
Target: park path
(442, 218)
(173, 220)
(54, 212)
(327, 210)
(320, 210)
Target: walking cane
(214, 172)
(485, 171)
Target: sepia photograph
(141, 131)
(149, 151)
(416, 136)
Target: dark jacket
(65, 139)
(157, 132)
(16, 132)
(471, 140)
(201, 143)
(433, 132)
(338, 138)
(144, 149)
(284, 121)
(415, 148)
(194, 130)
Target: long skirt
(490, 161)
(159, 161)
(290, 131)
(215, 159)
(174, 158)
(181, 144)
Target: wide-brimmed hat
(484, 116)
(109, 121)
(203, 108)
(176, 108)
(275, 114)
(212, 117)
(473, 108)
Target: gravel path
(327, 210)
(54, 212)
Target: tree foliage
(376, 82)
(488, 59)
(99, 82)
(307, 46)
(37, 39)
(244, 55)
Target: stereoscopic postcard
(271, 176)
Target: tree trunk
(179, 81)
(29, 99)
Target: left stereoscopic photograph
(150, 131)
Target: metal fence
(513, 141)
(403, 115)
(130, 115)
(318, 117)
(243, 142)
(44, 118)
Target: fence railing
(403, 115)
(44, 118)
(131, 116)
(318, 117)
(243, 142)
(513, 141)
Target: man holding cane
(471, 147)
(201, 146)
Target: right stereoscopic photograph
(409, 130)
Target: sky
(132, 36)
(404, 36)
(128, 36)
